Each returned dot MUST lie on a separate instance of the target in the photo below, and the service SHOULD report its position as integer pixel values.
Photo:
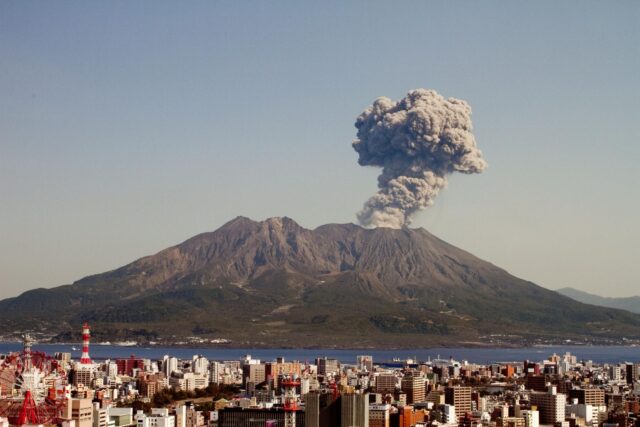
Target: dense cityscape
(319, 213)
(561, 391)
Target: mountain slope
(631, 304)
(274, 283)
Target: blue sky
(126, 127)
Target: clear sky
(127, 127)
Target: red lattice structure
(290, 383)
(33, 387)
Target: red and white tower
(86, 338)
(289, 384)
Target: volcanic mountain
(275, 283)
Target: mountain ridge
(275, 283)
(631, 304)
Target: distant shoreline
(599, 354)
(231, 346)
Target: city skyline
(542, 388)
(126, 128)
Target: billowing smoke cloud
(417, 141)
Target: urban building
(100, 416)
(365, 363)
(531, 418)
(130, 366)
(413, 384)
(386, 383)
(239, 417)
(159, 418)
(632, 372)
(460, 397)
(354, 410)
(80, 411)
(254, 373)
(588, 396)
(327, 366)
(321, 409)
(379, 415)
(551, 405)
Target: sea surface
(598, 354)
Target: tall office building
(215, 369)
(321, 410)
(83, 375)
(386, 383)
(130, 366)
(253, 373)
(200, 365)
(633, 372)
(327, 366)
(312, 409)
(354, 410)
(169, 365)
(551, 405)
(413, 384)
(365, 363)
(615, 373)
(460, 397)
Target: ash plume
(417, 141)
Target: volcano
(276, 284)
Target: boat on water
(125, 343)
(398, 362)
